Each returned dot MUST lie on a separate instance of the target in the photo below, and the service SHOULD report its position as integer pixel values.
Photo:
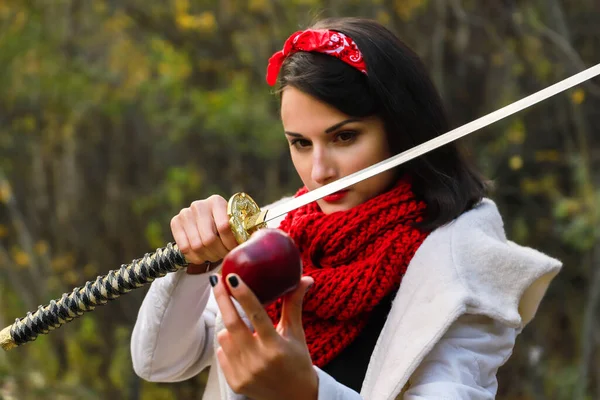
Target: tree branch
(577, 63)
(16, 282)
(437, 45)
(37, 271)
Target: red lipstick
(337, 196)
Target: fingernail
(233, 280)
(213, 279)
(308, 288)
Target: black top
(350, 366)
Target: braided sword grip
(245, 217)
(83, 299)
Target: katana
(245, 217)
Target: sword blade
(432, 144)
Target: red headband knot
(321, 41)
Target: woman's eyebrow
(340, 124)
(293, 134)
(328, 130)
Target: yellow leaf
(19, 21)
(498, 59)
(99, 7)
(71, 277)
(21, 258)
(529, 186)
(3, 231)
(5, 192)
(406, 8)
(128, 62)
(62, 262)
(257, 5)
(32, 67)
(572, 206)
(164, 68)
(5, 10)
(206, 21)
(516, 133)
(90, 270)
(543, 68)
(117, 23)
(182, 6)
(515, 163)
(383, 17)
(549, 186)
(185, 21)
(547, 156)
(578, 96)
(533, 45)
(41, 247)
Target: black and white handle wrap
(245, 217)
(83, 299)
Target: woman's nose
(323, 168)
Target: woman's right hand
(202, 230)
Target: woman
(416, 292)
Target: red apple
(269, 263)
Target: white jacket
(467, 293)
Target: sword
(401, 158)
(245, 217)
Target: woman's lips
(337, 196)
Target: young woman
(415, 292)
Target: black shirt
(350, 366)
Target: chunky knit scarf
(356, 258)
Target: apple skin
(269, 263)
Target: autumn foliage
(115, 115)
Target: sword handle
(245, 217)
(84, 299)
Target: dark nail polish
(233, 280)
(213, 280)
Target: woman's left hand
(271, 363)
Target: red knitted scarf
(356, 258)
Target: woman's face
(326, 145)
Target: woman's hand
(202, 231)
(272, 363)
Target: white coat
(467, 294)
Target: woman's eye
(346, 136)
(300, 143)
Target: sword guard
(245, 216)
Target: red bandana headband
(322, 41)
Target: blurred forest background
(114, 115)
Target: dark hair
(397, 89)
